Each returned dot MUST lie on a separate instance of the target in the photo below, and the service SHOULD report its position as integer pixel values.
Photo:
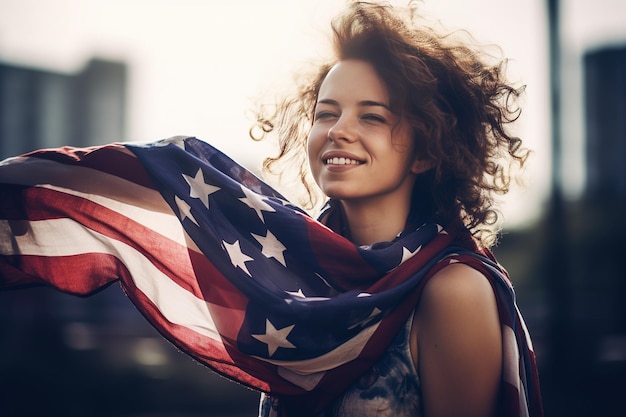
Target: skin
(353, 121)
(455, 338)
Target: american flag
(227, 269)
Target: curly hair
(457, 103)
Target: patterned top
(390, 388)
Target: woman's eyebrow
(328, 101)
(368, 103)
(363, 103)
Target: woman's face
(359, 150)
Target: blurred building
(62, 355)
(569, 278)
(588, 343)
(599, 227)
(40, 108)
(598, 223)
(605, 93)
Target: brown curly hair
(457, 103)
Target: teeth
(341, 161)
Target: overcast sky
(196, 65)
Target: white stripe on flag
(176, 304)
(164, 223)
(510, 367)
(307, 373)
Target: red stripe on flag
(224, 358)
(112, 159)
(43, 204)
(342, 260)
(213, 286)
(165, 254)
(74, 274)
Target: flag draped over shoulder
(227, 269)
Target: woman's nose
(343, 129)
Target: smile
(342, 161)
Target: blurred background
(87, 72)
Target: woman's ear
(421, 165)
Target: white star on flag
(407, 254)
(198, 188)
(272, 248)
(298, 293)
(175, 140)
(185, 210)
(255, 202)
(275, 338)
(237, 257)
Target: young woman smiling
(408, 127)
(389, 304)
(362, 154)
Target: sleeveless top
(390, 388)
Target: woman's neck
(369, 223)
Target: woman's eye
(324, 115)
(374, 118)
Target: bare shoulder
(457, 283)
(457, 337)
(459, 304)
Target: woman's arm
(457, 337)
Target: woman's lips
(341, 163)
(341, 159)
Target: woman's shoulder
(457, 333)
(458, 296)
(457, 283)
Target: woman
(409, 127)
(390, 305)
